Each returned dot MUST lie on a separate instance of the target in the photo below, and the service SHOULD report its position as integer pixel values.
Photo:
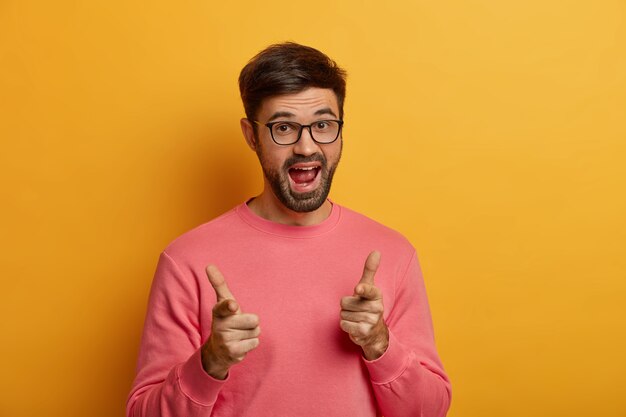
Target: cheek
(334, 155)
(272, 159)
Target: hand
(233, 333)
(362, 313)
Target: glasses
(288, 133)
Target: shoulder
(368, 228)
(200, 237)
(363, 234)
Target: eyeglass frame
(271, 124)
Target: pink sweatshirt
(293, 278)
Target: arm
(408, 379)
(170, 379)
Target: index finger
(218, 283)
(370, 268)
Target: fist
(362, 313)
(233, 333)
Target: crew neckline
(286, 230)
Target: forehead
(306, 103)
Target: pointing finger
(218, 283)
(369, 270)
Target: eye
(321, 125)
(284, 128)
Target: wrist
(212, 367)
(378, 347)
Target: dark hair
(287, 68)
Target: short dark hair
(287, 68)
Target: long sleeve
(170, 379)
(408, 379)
(305, 365)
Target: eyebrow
(325, 110)
(280, 114)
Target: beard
(300, 202)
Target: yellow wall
(492, 133)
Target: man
(346, 328)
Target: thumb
(226, 308)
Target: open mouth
(304, 177)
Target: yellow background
(491, 133)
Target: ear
(248, 133)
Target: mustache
(297, 159)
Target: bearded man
(346, 325)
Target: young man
(340, 298)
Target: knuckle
(344, 325)
(351, 328)
(375, 319)
(250, 320)
(223, 337)
(239, 350)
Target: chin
(302, 202)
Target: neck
(267, 206)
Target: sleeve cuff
(391, 364)
(196, 384)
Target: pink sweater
(293, 278)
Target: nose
(305, 145)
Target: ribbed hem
(196, 384)
(390, 365)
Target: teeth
(306, 169)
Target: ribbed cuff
(196, 384)
(391, 364)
